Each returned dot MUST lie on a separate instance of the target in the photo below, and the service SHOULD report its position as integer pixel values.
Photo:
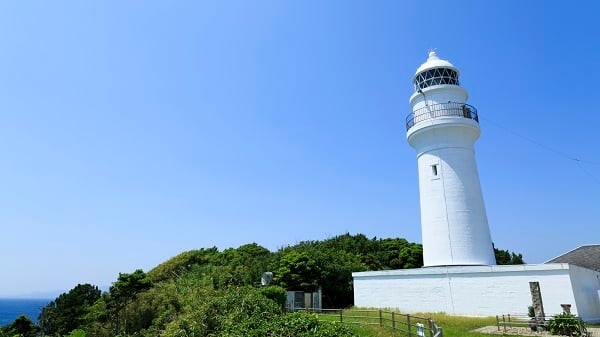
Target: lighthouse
(461, 276)
(443, 128)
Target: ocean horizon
(12, 308)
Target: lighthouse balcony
(450, 109)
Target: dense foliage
(210, 292)
(506, 257)
(67, 311)
(22, 327)
(565, 324)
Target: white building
(480, 290)
(459, 275)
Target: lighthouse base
(481, 290)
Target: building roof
(587, 256)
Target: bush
(566, 324)
(76, 333)
(235, 309)
(246, 312)
(275, 293)
(297, 324)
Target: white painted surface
(433, 61)
(479, 290)
(586, 289)
(454, 223)
(438, 94)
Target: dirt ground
(525, 331)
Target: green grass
(454, 326)
(371, 331)
(462, 326)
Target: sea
(11, 308)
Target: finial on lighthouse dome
(435, 71)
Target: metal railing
(399, 324)
(450, 109)
(514, 323)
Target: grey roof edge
(571, 251)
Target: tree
(336, 276)
(22, 327)
(241, 266)
(298, 271)
(504, 257)
(411, 256)
(336, 258)
(124, 291)
(67, 312)
(129, 285)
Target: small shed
(304, 300)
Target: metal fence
(450, 109)
(399, 324)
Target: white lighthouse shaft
(443, 129)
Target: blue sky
(131, 131)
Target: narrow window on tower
(434, 170)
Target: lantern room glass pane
(436, 76)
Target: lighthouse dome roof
(435, 71)
(433, 61)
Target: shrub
(275, 293)
(566, 324)
(299, 324)
(237, 310)
(76, 333)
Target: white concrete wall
(586, 288)
(475, 290)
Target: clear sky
(131, 131)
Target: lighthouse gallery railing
(450, 109)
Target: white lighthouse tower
(442, 129)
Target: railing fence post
(341, 315)
(431, 327)
(393, 323)
(408, 324)
(380, 318)
(498, 322)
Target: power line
(578, 161)
(588, 173)
(544, 146)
